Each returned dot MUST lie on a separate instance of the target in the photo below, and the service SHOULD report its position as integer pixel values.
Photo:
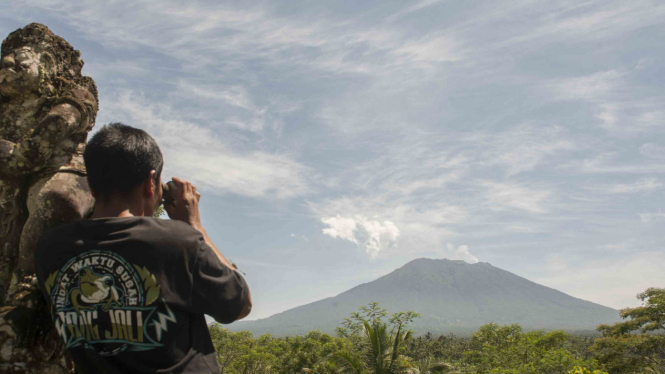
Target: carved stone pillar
(47, 108)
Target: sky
(333, 142)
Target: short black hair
(118, 158)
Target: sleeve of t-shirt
(216, 290)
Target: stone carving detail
(47, 108)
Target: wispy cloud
(233, 95)
(652, 151)
(234, 105)
(200, 33)
(611, 282)
(624, 117)
(514, 196)
(642, 185)
(195, 152)
(521, 148)
(422, 4)
(590, 87)
(430, 50)
(650, 217)
(612, 163)
(303, 237)
(590, 20)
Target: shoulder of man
(170, 230)
(169, 236)
(60, 230)
(55, 233)
(154, 230)
(53, 237)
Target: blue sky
(335, 141)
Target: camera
(170, 193)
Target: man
(128, 292)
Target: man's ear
(150, 185)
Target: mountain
(451, 296)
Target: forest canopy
(371, 341)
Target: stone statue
(47, 109)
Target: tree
(428, 365)
(229, 346)
(240, 353)
(379, 345)
(581, 370)
(373, 313)
(507, 349)
(312, 352)
(380, 353)
(638, 344)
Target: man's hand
(185, 207)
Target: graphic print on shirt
(100, 301)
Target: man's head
(124, 162)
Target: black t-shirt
(128, 295)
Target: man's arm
(186, 209)
(247, 308)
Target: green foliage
(159, 212)
(241, 353)
(446, 348)
(348, 362)
(374, 314)
(507, 349)
(370, 342)
(378, 346)
(581, 370)
(312, 351)
(638, 344)
(428, 365)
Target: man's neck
(116, 208)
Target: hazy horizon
(335, 142)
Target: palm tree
(349, 363)
(381, 353)
(428, 366)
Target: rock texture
(47, 108)
(451, 296)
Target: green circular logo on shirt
(102, 302)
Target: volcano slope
(451, 297)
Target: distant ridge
(451, 296)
